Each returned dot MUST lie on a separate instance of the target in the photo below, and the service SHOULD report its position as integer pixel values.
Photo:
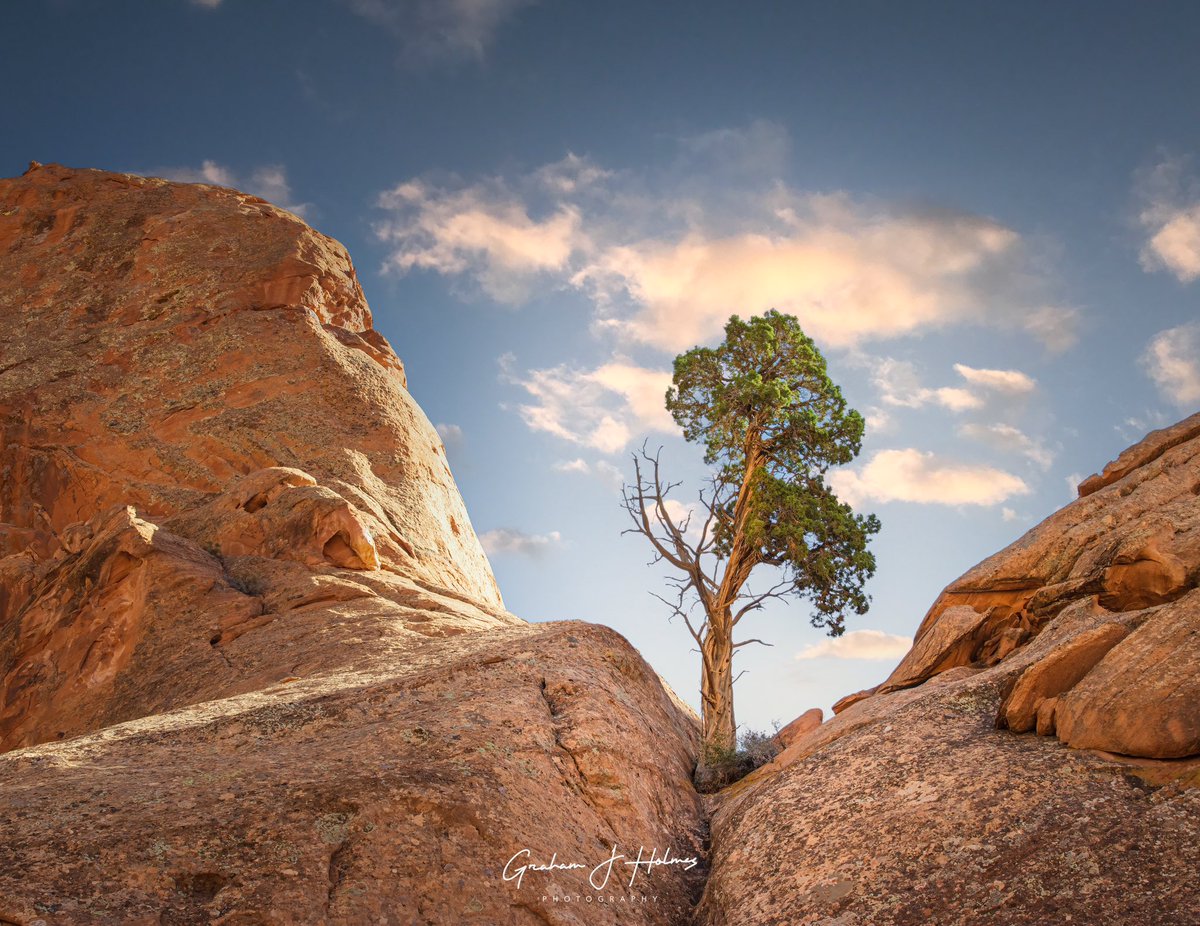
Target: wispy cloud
(483, 232)
(899, 385)
(1007, 437)
(451, 435)
(1172, 359)
(859, 644)
(910, 475)
(666, 258)
(603, 408)
(433, 31)
(268, 182)
(207, 4)
(1170, 216)
(510, 540)
(1010, 382)
(606, 472)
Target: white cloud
(1172, 359)
(1012, 382)
(878, 420)
(430, 31)
(578, 465)
(1007, 514)
(1135, 427)
(604, 408)
(508, 540)
(484, 231)
(268, 182)
(1073, 481)
(667, 257)
(207, 4)
(1170, 216)
(849, 272)
(859, 644)
(451, 434)
(606, 472)
(1009, 438)
(899, 385)
(1056, 326)
(912, 476)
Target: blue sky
(987, 214)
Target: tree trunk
(716, 684)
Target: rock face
(919, 802)
(804, 724)
(254, 667)
(160, 340)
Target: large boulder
(254, 667)
(1143, 697)
(919, 803)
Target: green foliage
(721, 766)
(772, 423)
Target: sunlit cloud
(666, 258)
(1012, 382)
(1007, 437)
(1170, 217)
(859, 644)
(1172, 360)
(602, 408)
(850, 273)
(910, 475)
(432, 31)
(578, 465)
(267, 182)
(508, 540)
(473, 231)
(602, 470)
(899, 385)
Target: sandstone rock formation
(254, 667)
(805, 723)
(919, 802)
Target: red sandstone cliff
(254, 667)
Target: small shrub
(719, 768)
(247, 584)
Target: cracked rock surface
(1034, 759)
(254, 667)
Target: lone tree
(771, 423)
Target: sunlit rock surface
(254, 667)
(933, 798)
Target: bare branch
(755, 602)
